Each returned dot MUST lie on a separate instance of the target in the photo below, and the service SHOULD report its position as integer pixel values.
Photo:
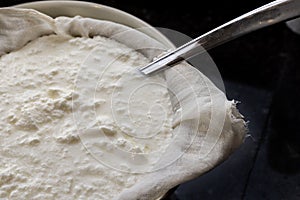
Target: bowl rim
(74, 8)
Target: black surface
(262, 70)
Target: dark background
(262, 70)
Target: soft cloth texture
(208, 127)
(294, 25)
(18, 27)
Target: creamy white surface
(42, 156)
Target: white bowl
(96, 11)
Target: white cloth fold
(294, 25)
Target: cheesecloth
(207, 127)
(294, 25)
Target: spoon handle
(271, 13)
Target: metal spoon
(266, 15)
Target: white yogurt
(56, 148)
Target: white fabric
(208, 119)
(294, 25)
(18, 27)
